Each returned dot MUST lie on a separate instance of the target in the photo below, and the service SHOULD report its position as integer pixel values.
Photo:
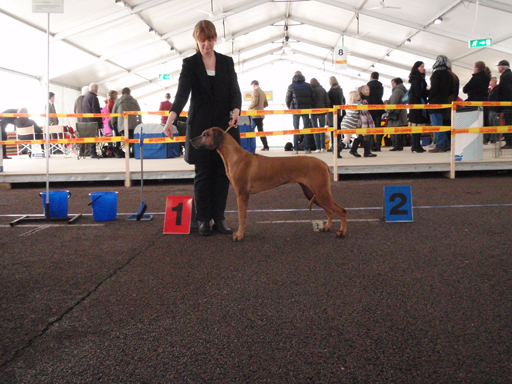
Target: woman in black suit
(210, 78)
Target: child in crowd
(349, 121)
(365, 121)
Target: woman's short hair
(204, 30)
(313, 81)
(333, 81)
(167, 95)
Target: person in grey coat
(127, 103)
(397, 117)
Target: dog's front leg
(243, 200)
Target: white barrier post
(127, 180)
(452, 145)
(335, 144)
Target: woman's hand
(168, 125)
(235, 117)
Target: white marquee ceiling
(99, 41)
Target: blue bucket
(58, 203)
(104, 205)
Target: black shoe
(376, 150)
(339, 155)
(204, 229)
(419, 150)
(221, 228)
(370, 154)
(355, 154)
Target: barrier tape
(245, 113)
(483, 104)
(370, 107)
(246, 135)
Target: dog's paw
(341, 233)
(237, 237)
(325, 229)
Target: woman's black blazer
(207, 109)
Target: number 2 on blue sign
(398, 203)
(402, 200)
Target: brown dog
(250, 173)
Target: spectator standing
(51, 109)
(477, 88)
(494, 119)
(376, 93)
(441, 88)
(300, 96)
(418, 94)
(216, 101)
(397, 117)
(165, 105)
(79, 102)
(350, 122)
(90, 104)
(365, 121)
(336, 97)
(124, 104)
(258, 102)
(106, 119)
(454, 96)
(505, 94)
(318, 119)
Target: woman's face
(492, 83)
(206, 47)
(358, 97)
(366, 90)
(421, 68)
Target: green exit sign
(165, 77)
(480, 43)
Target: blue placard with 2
(398, 203)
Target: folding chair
(86, 130)
(60, 133)
(25, 132)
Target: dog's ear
(218, 136)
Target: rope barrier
(362, 131)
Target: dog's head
(209, 139)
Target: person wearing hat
(505, 94)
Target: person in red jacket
(165, 106)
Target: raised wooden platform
(69, 169)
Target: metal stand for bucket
(46, 218)
(140, 216)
